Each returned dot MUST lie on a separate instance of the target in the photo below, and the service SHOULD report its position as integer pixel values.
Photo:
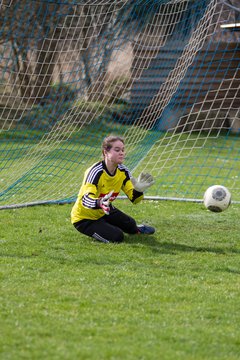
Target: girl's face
(116, 154)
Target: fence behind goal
(162, 74)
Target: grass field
(174, 295)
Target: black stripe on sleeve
(94, 174)
(126, 171)
(136, 194)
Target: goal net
(162, 74)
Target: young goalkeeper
(93, 213)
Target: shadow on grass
(174, 248)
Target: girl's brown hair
(107, 143)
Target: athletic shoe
(145, 229)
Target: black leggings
(109, 228)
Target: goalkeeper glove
(143, 182)
(104, 202)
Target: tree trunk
(47, 53)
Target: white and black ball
(217, 198)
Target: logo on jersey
(112, 198)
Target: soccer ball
(217, 198)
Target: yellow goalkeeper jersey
(98, 182)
